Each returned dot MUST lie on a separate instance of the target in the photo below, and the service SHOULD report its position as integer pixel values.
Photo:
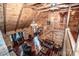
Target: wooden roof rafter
(4, 15)
(18, 19)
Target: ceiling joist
(44, 6)
(63, 9)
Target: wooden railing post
(68, 17)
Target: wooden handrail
(71, 40)
(70, 43)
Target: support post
(68, 17)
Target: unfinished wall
(55, 30)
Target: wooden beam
(4, 15)
(64, 9)
(36, 4)
(66, 32)
(44, 6)
(43, 10)
(30, 4)
(18, 19)
(68, 17)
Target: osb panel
(56, 26)
(27, 15)
(58, 37)
(12, 12)
(42, 18)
